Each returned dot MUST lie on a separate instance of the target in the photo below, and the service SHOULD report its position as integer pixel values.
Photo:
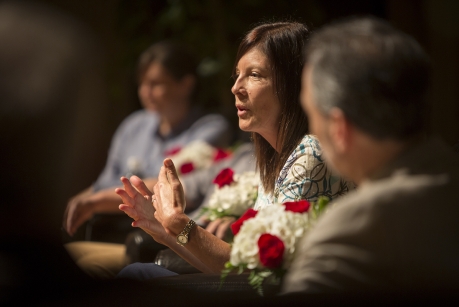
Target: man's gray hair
(377, 75)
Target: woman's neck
(271, 138)
(170, 120)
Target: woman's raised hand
(169, 199)
(137, 204)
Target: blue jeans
(144, 271)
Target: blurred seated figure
(397, 235)
(103, 260)
(52, 101)
(167, 85)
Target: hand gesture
(169, 199)
(137, 204)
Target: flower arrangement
(233, 195)
(265, 241)
(196, 155)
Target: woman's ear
(340, 130)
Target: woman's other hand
(137, 205)
(169, 199)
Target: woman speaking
(267, 86)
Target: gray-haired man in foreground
(364, 90)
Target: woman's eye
(255, 74)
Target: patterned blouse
(304, 176)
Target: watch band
(182, 237)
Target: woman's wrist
(176, 224)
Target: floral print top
(304, 176)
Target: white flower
(234, 199)
(286, 225)
(198, 152)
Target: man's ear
(340, 130)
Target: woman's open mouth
(241, 110)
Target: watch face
(182, 239)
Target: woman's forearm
(202, 245)
(204, 251)
(187, 255)
(208, 248)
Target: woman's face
(159, 91)
(258, 107)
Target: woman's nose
(238, 87)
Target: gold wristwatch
(182, 237)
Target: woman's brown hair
(282, 43)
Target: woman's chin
(244, 127)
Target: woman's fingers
(162, 177)
(139, 207)
(176, 185)
(125, 197)
(131, 191)
(170, 200)
(171, 172)
(140, 186)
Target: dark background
(212, 28)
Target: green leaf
(322, 203)
(228, 265)
(257, 278)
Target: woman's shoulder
(309, 147)
(309, 142)
(308, 176)
(307, 154)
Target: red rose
(236, 226)
(186, 168)
(297, 206)
(172, 151)
(271, 250)
(225, 177)
(220, 155)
